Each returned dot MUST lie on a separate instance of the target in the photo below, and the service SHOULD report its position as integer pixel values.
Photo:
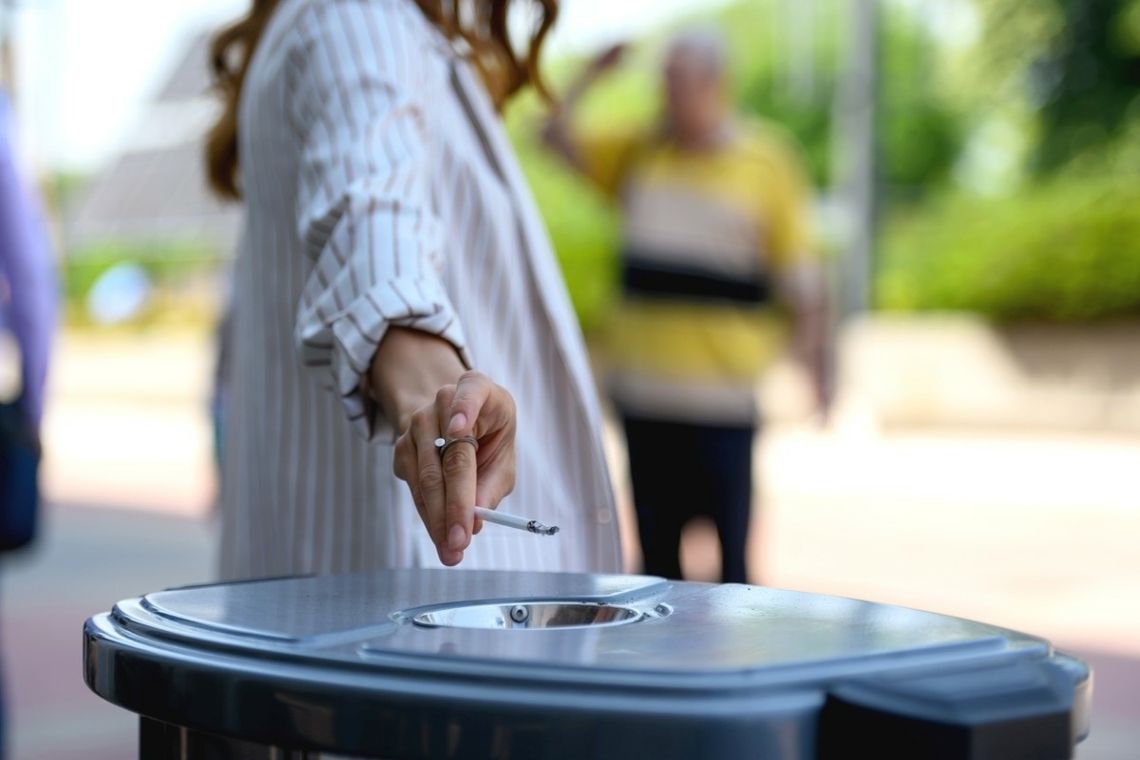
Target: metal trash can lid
(441, 663)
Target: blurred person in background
(391, 247)
(27, 313)
(715, 251)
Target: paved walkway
(89, 558)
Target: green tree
(1077, 65)
(1087, 79)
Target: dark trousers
(680, 471)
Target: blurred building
(155, 189)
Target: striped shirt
(380, 190)
(709, 240)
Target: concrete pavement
(87, 559)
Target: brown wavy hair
(481, 24)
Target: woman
(390, 248)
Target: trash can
(473, 664)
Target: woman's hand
(446, 489)
(420, 382)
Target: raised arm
(556, 131)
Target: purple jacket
(27, 281)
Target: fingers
(410, 468)
(496, 478)
(446, 489)
(428, 474)
(471, 393)
(486, 410)
(431, 483)
(479, 407)
(460, 464)
(404, 464)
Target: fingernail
(456, 537)
(458, 422)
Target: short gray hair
(707, 44)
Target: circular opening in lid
(529, 615)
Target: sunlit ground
(1035, 533)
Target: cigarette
(514, 521)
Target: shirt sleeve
(356, 92)
(789, 233)
(607, 157)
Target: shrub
(1068, 250)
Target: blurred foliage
(788, 79)
(1063, 250)
(583, 227)
(921, 132)
(173, 268)
(1077, 62)
(791, 78)
(1065, 244)
(59, 188)
(1088, 79)
(1008, 161)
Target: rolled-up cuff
(342, 347)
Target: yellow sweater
(707, 238)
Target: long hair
(481, 24)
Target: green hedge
(1068, 250)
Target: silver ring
(443, 444)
